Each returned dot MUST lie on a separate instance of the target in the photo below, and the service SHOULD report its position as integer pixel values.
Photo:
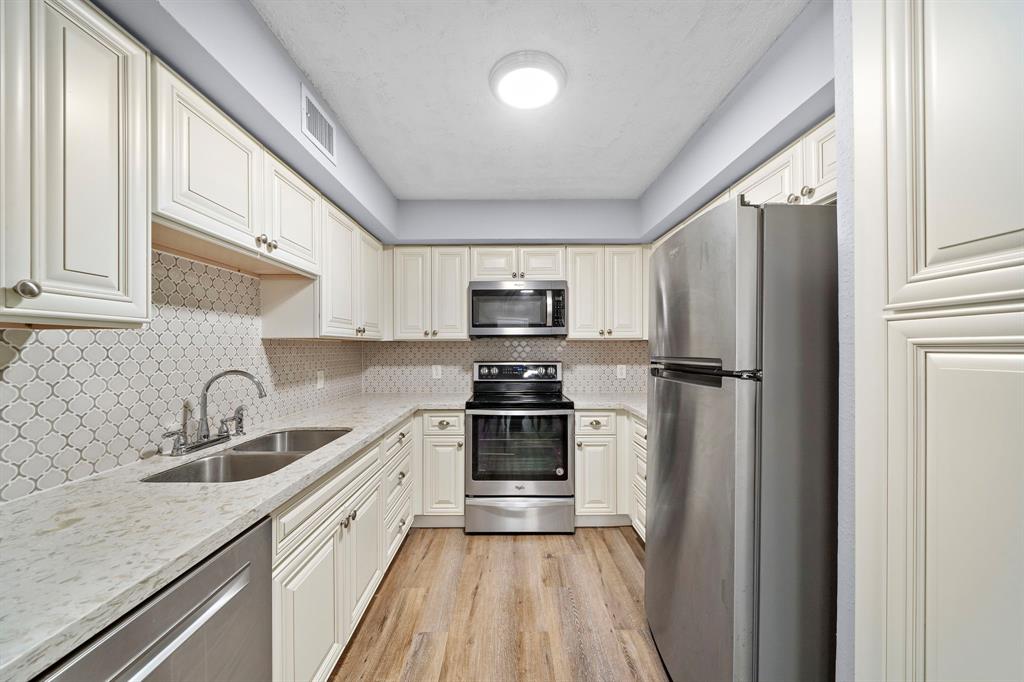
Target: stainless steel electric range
(519, 459)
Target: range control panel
(517, 371)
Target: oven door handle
(519, 413)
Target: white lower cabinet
(363, 545)
(596, 466)
(444, 466)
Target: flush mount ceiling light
(527, 79)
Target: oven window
(510, 308)
(520, 448)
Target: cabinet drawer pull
(443, 424)
(28, 288)
(596, 423)
(401, 434)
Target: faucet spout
(204, 426)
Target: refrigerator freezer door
(700, 534)
(704, 291)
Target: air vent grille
(317, 127)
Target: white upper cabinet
(820, 163)
(371, 287)
(512, 262)
(776, 182)
(75, 214)
(412, 292)
(339, 284)
(606, 292)
(431, 292)
(450, 292)
(208, 171)
(293, 217)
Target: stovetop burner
(518, 385)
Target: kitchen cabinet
(74, 224)
(293, 217)
(339, 278)
(431, 292)
(596, 466)
(208, 172)
(606, 292)
(370, 308)
(444, 466)
(777, 181)
(820, 162)
(363, 546)
(517, 262)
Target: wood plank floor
(508, 607)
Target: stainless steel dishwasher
(213, 623)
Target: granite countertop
(76, 558)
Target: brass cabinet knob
(28, 288)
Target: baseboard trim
(424, 521)
(588, 521)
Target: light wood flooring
(508, 607)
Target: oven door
(518, 308)
(519, 452)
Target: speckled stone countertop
(634, 403)
(76, 558)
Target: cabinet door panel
(595, 475)
(493, 262)
(820, 163)
(586, 292)
(364, 540)
(450, 296)
(209, 172)
(444, 469)
(76, 204)
(293, 217)
(542, 262)
(776, 182)
(339, 284)
(371, 281)
(310, 598)
(412, 292)
(624, 292)
(956, 230)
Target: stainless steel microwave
(518, 308)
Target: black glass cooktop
(518, 401)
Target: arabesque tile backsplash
(78, 402)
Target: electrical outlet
(436, 371)
(319, 378)
(620, 371)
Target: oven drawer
(520, 515)
(443, 423)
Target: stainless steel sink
(258, 457)
(294, 440)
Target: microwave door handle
(551, 307)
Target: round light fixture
(527, 79)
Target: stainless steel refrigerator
(741, 484)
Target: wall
(588, 366)
(84, 401)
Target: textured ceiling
(409, 83)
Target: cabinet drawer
(443, 423)
(398, 525)
(588, 423)
(640, 458)
(396, 441)
(398, 478)
(301, 516)
(638, 512)
(640, 432)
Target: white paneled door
(293, 217)
(450, 292)
(596, 478)
(412, 292)
(443, 474)
(371, 287)
(339, 282)
(624, 292)
(586, 292)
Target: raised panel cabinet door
(371, 286)
(586, 292)
(208, 171)
(76, 166)
(542, 262)
(820, 163)
(293, 217)
(339, 281)
(444, 466)
(308, 595)
(450, 292)
(493, 262)
(624, 292)
(364, 549)
(954, 177)
(775, 182)
(412, 292)
(595, 475)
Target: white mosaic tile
(75, 403)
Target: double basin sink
(254, 458)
